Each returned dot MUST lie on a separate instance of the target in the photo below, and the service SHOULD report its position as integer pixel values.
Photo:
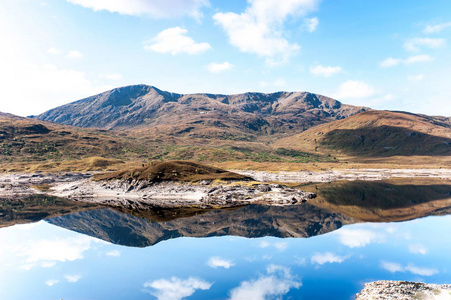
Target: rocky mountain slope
(377, 134)
(240, 116)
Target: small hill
(26, 140)
(377, 134)
(226, 117)
(172, 171)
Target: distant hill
(28, 140)
(377, 133)
(31, 144)
(237, 117)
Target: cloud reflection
(176, 288)
(72, 278)
(328, 257)
(395, 267)
(354, 238)
(277, 282)
(218, 262)
(51, 282)
(418, 249)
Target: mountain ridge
(248, 113)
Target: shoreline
(267, 189)
(403, 290)
(345, 174)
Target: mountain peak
(252, 112)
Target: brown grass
(173, 171)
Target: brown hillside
(25, 140)
(376, 134)
(30, 144)
(242, 117)
(172, 171)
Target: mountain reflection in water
(338, 203)
(249, 221)
(384, 201)
(55, 263)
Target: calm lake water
(320, 251)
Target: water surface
(321, 251)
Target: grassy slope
(32, 145)
(370, 139)
(173, 171)
(378, 137)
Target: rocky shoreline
(134, 194)
(403, 290)
(142, 194)
(345, 174)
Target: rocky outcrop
(403, 290)
(145, 194)
(142, 194)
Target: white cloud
(51, 282)
(353, 89)
(436, 28)
(151, 8)
(415, 77)
(390, 62)
(416, 44)
(218, 262)
(174, 41)
(74, 54)
(358, 237)
(114, 76)
(259, 29)
(325, 71)
(328, 257)
(418, 58)
(32, 89)
(53, 50)
(276, 283)
(219, 67)
(395, 267)
(72, 278)
(311, 24)
(176, 288)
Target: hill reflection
(384, 201)
(249, 221)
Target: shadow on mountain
(35, 208)
(251, 221)
(386, 141)
(384, 201)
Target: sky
(383, 54)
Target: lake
(354, 232)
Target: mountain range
(141, 123)
(199, 115)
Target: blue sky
(383, 54)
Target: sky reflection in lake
(43, 261)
